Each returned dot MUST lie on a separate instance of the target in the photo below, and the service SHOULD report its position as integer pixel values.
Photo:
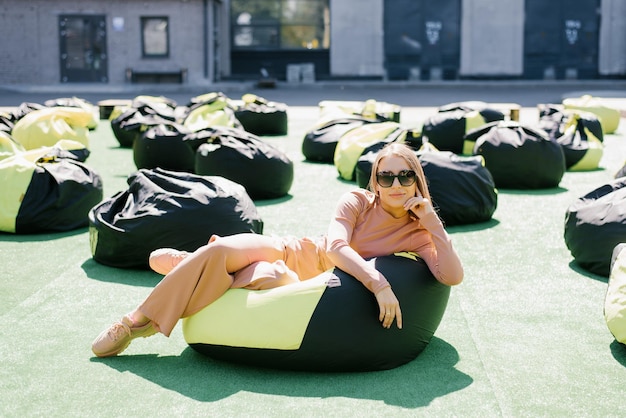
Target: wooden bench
(156, 76)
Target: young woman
(394, 215)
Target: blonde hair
(398, 149)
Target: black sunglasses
(405, 177)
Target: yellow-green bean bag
(609, 117)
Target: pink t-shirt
(361, 223)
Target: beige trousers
(251, 261)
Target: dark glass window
(155, 37)
(280, 24)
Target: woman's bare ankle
(138, 318)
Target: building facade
(207, 41)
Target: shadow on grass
(268, 202)
(578, 269)
(100, 272)
(416, 384)
(41, 237)
(619, 352)
(473, 227)
(534, 192)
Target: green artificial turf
(524, 335)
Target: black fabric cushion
(164, 146)
(488, 112)
(167, 209)
(344, 333)
(595, 224)
(138, 118)
(462, 188)
(265, 171)
(261, 117)
(519, 157)
(320, 142)
(59, 197)
(554, 119)
(447, 128)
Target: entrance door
(83, 48)
(561, 39)
(422, 39)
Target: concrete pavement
(527, 93)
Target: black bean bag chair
(325, 324)
(447, 128)
(143, 113)
(582, 149)
(461, 187)
(47, 189)
(167, 209)
(519, 157)
(319, 143)
(262, 117)
(265, 171)
(595, 224)
(555, 119)
(163, 146)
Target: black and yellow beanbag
(595, 224)
(164, 209)
(44, 190)
(329, 323)
(615, 297)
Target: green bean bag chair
(328, 323)
(615, 297)
(609, 117)
(353, 143)
(45, 127)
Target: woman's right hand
(389, 308)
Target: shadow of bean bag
(262, 169)
(47, 189)
(167, 209)
(519, 157)
(595, 224)
(325, 324)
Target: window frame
(143, 22)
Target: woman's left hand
(389, 308)
(419, 206)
